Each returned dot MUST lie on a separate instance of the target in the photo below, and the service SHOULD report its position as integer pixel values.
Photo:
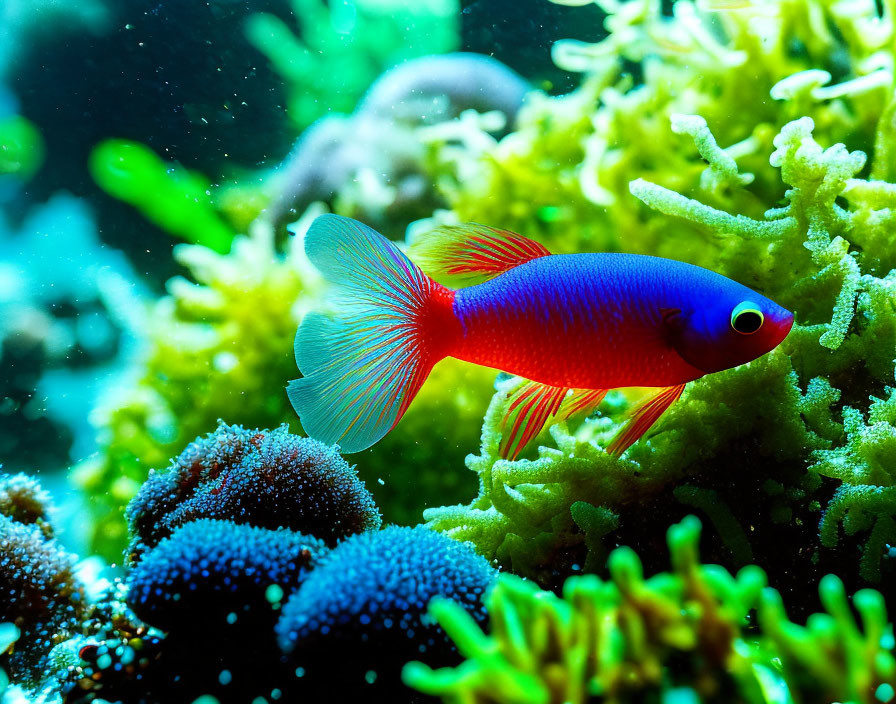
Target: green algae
(777, 182)
(695, 633)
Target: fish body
(575, 325)
(579, 320)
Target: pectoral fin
(580, 401)
(643, 417)
(529, 408)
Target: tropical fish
(573, 325)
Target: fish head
(727, 326)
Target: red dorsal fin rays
(531, 405)
(473, 252)
(643, 417)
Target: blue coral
(215, 587)
(266, 478)
(367, 601)
(39, 593)
(210, 575)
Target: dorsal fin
(472, 251)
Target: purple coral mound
(211, 576)
(39, 591)
(265, 478)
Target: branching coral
(364, 607)
(266, 478)
(575, 152)
(866, 499)
(685, 635)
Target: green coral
(342, 47)
(688, 635)
(811, 226)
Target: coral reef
(347, 617)
(343, 48)
(753, 449)
(365, 605)
(210, 575)
(266, 478)
(685, 635)
(39, 591)
(371, 163)
(754, 138)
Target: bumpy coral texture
(685, 635)
(210, 575)
(266, 478)
(24, 500)
(39, 593)
(695, 162)
(367, 603)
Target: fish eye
(746, 318)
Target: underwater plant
(341, 48)
(640, 165)
(265, 478)
(362, 610)
(688, 635)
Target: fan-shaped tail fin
(362, 368)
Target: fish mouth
(785, 325)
